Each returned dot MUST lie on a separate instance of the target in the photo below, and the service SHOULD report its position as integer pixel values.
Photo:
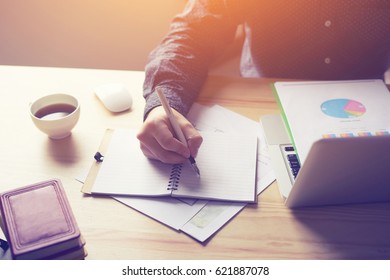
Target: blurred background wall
(108, 34)
(116, 34)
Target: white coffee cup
(55, 114)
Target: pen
(175, 125)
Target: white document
(211, 218)
(170, 211)
(217, 213)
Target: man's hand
(157, 139)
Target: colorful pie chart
(343, 108)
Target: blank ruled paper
(227, 164)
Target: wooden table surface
(267, 230)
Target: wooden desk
(113, 231)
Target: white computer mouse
(114, 96)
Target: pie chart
(343, 108)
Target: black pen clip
(98, 157)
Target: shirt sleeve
(179, 64)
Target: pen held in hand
(175, 126)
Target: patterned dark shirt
(302, 39)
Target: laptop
(335, 171)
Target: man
(302, 39)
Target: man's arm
(180, 63)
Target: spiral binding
(174, 178)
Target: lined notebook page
(125, 170)
(227, 164)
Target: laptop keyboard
(291, 160)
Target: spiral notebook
(227, 163)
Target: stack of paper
(202, 218)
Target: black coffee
(54, 111)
